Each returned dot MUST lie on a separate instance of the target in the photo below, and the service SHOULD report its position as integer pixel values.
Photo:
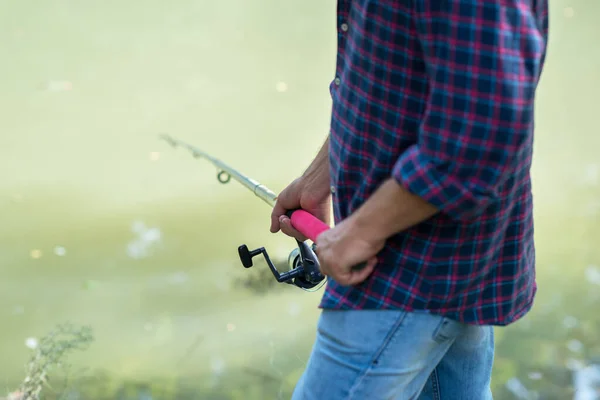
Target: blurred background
(103, 225)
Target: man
(428, 162)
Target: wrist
(317, 182)
(317, 176)
(371, 219)
(390, 210)
(366, 224)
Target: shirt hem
(457, 315)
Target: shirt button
(332, 189)
(344, 27)
(337, 81)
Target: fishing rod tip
(168, 139)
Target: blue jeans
(397, 355)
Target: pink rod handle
(311, 227)
(307, 224)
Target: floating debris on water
(230, 327)
(217, 365)
(57, 86)
(568, 12)
(154, 155)
(178, 278)
(147, 237)
(281, 87)
(36, 253)
(592, 274)
(570, 322)
(222, 284)
(18, 310)
(31, 343)
(294, 309)
(535, 375)
(575, 345)
(586, 382)
(516, 387)
(60, 251)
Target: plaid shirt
(440, 96)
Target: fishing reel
(304, 270)
(304, 266)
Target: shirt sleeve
(483, 60)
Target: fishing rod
(304, 266)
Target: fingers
(280, 221)
(288, 229)
(288, 199)
(350, 277)
(278, 211)
(357, 276)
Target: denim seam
(378, 353)
(435, 385)
(441, 332)
(438, 334)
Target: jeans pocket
(446, 329)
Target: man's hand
(344, 246)
(362, 235)
(313, 197)
(309, 192)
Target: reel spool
(303, 263)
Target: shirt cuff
(434, 183)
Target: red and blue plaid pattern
(440, 95)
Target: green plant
(48, 354)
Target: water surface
(102, 224)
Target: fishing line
(304, 266)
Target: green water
(85, 87)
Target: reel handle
(311, 227)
